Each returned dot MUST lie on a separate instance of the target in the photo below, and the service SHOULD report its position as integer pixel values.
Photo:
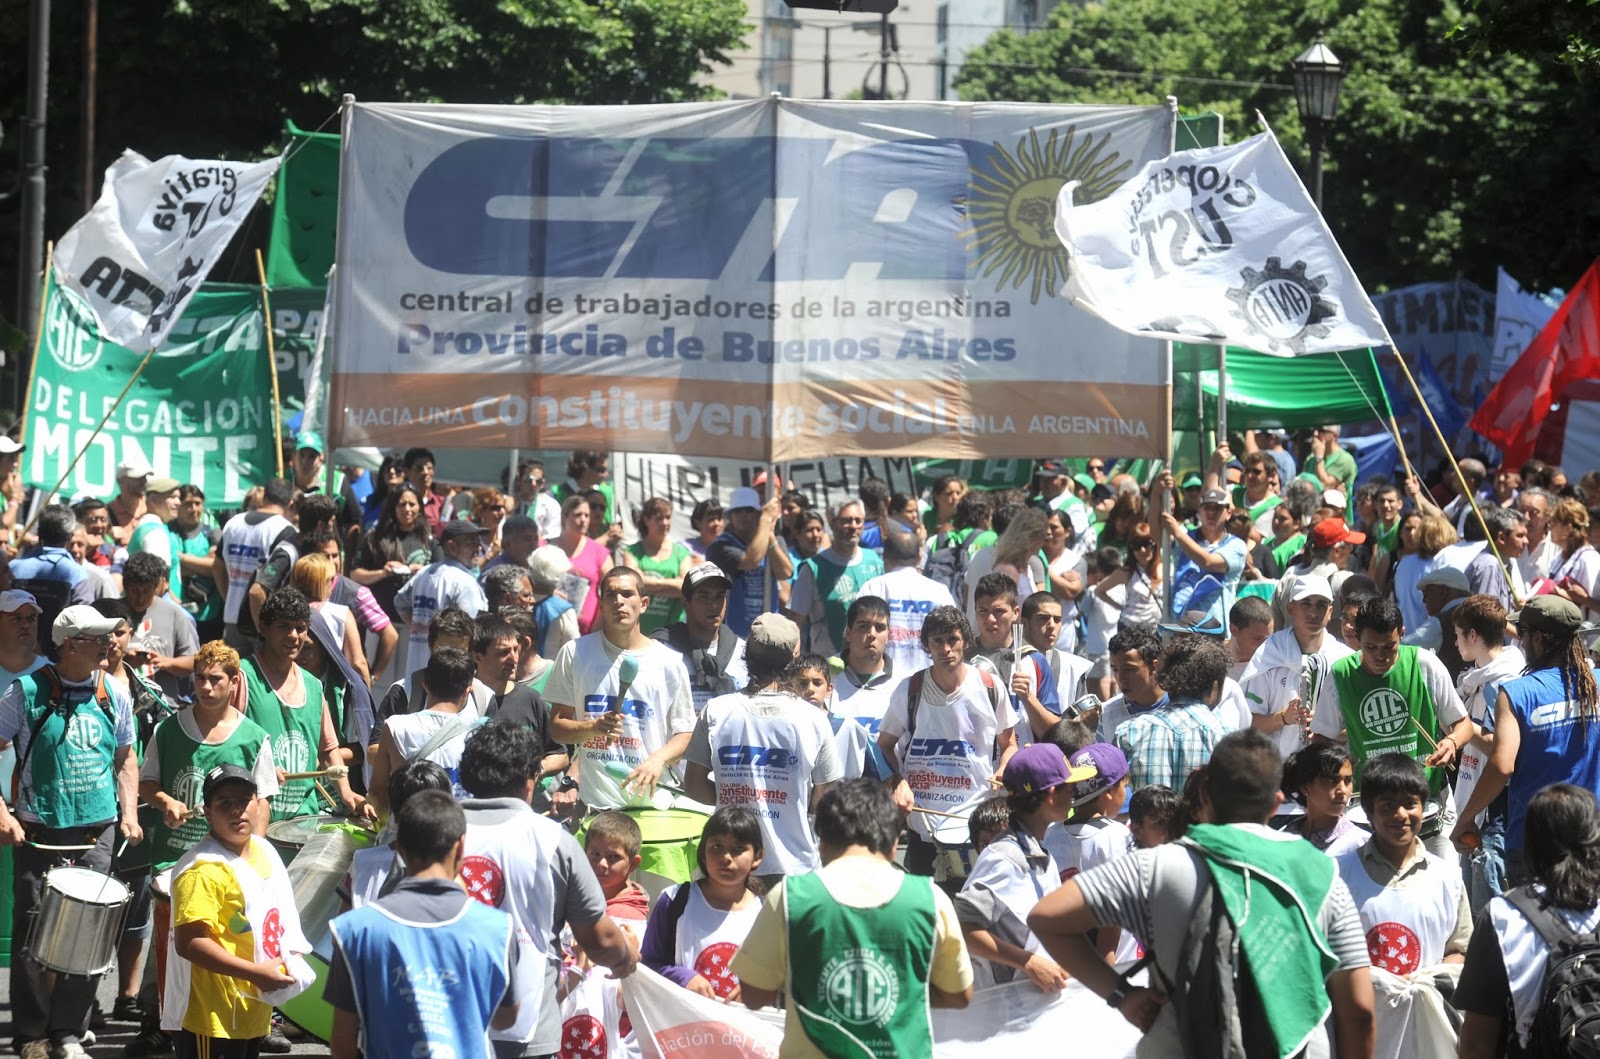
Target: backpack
(1214, 997)
(947, 564)
(1567, 1022)
(54, 704)
(914, 700)
(710, 672)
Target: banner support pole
(38, 342)
(1466, 490)
(1222, 396)
(272, 367)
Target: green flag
(305, 211)
(201, 412)
(296, 320)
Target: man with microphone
(629, 732)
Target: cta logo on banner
(762, 280)
(1220, 244)
(140, 254)
(201, 412)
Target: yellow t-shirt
(221, 1005)
(859, 882)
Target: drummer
(287, 701)
(75, 786)
(626, 744)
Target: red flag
(1567, 350)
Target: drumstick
(935, 812)
(332, 772)
(1424, 733)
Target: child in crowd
(235, 930)
(811, 678)
(612, 844)
(1069, 735)
(1320, 776)
(1101, 614)
(1192, 808)
(698, 926)
(1413, 905)
(1015, 871)
(377, 870)
(987, 822)
(1152, 812)
(1094, 835)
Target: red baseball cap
(1331, 531)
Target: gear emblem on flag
(1283, 305)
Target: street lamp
(1318, 77)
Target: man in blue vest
(76, 789)
(424, 970)
(49, 571)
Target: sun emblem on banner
(1013, 204)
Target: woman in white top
(1508, 957)
(1577, 567)
(313, 575)
(1015, 554)
(1419, 558)
(1140, 580)
(1067, 572)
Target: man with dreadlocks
(1546, 724)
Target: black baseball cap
(227, 774)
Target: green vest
(838, 586)
(184, 764)
(174, 566)
(859, 976)
(71, 779)
(1382, 714)
(1284, 553)
(295, 734)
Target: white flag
(1518, 316)
(139, 255)
(1222, 245)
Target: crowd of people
(1236, 749)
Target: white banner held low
(149, 242)
(1221, 244)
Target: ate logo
(1394, 947)
(583, 1037)
(272, 935)
(712, 965)
(484, 879)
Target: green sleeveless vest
(184, 764)
(71, 753)
(838, 586)
(1379, 711)
(859, 976)
(295, 734)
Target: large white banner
(138, 256)
(1015, 1020)
(1221, 244)
(1518, 316)
(764, 280)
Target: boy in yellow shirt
(235, 932)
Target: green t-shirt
(663, 610)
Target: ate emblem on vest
(272, 935)
(860, 986)
(1384, 712)
(583, 1037)
(712, 965)
(1394, 947)
(485, 881)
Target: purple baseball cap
(1038, 768)
(1110, 766)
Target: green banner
(201, 412)
(296, 321)
(305, 211)
(1285, 393)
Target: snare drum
(954, 853)
(289, 836)
(79, 922)
(671, 840)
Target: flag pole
(272, 367)
(38, 340)
(1466, 490)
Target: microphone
(627, 672)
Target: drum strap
(914, 701)
(57, 698)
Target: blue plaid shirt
(1164, 745)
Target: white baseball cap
(1334, 499)
(743, 496)
(81, 620)
(134, 468)
(15, 598)
(8, 445)
(1311, 586)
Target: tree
(217, 78)
(1564, 31)
(1443, 161)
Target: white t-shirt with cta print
(950, 757)
(659, 705)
